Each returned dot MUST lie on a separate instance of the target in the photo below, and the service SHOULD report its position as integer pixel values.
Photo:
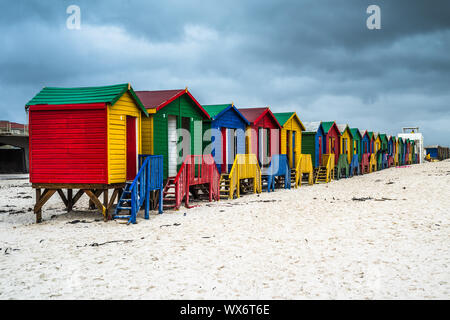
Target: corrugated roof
(343, 127)
(326, 125)
(283, 117)
(311, 126)
(83, 95)
(355, 132)
(252, 114)
(214, 109)
(158, 99)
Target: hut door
(131, 148)
(224, 149)
(261, 145)
(320, 151)
(292, 162)
(172, 145)
(231, 142)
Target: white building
(412, 133)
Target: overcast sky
(316, 57)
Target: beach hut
(332, 139)
(373, 150)
(89, 139)
(356, 142)
(291, 143)
(407, 146)
(391, 150)
(176, 119)
(383, 152)
(401, 151)
(224, 135)
(366, 145)
(314, 144)
(262, 135)
(290, 136)
(224, 132)
(345, 152)
(396, 151)
(263, 140)
(169, 111)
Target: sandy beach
(384, 235)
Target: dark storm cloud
(314, 57)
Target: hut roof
(355, 132)
(283, 117)
(254, 114)
(312, 126)
(216, 110)
(327, 125)
(343, 127)
(83, 95)
(158, 99)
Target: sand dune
(309, 243)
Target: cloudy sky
(315, 57)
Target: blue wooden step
(123, 208)
(121, 217)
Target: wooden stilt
(42, 200)
(45, 191)
(105, 204)
(97, 193)
(63, 197)
(97, 202)
(39, 212)
(69, 200)
(77, 197)
(113, 197)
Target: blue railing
(149, 178)
(279, 166)
(354, 166)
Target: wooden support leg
(105, 204)
(97, 202)
(63, 197)
(39, 212)
(91, 203)
(69, 200)
(42, 200)
(77, 197)
(97, 193)
(111, 201)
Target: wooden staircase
(322, 175)
(326, 172)
(294, 177)
(123, 208)
(224, 186)
(265, 182)
(169, 201)
(136, 193)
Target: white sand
(313, 242)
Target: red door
(131, 148)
